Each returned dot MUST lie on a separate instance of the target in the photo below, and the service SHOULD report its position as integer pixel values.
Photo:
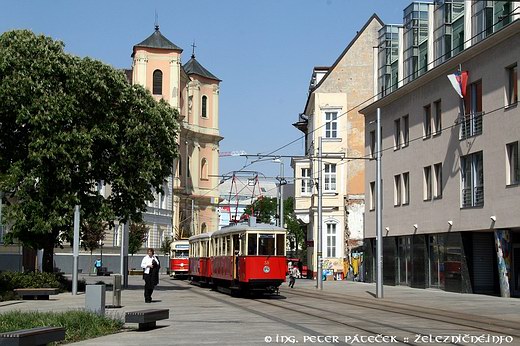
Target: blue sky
(263, 50)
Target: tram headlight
(267, 269)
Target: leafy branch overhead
(67, 124)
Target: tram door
(236, 252)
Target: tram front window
(266, 245)
(180, 254)
(251, 244)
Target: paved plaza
(201, 316)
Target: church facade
(189, 203)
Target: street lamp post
(1, 224)
(281, 183)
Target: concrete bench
(147, 318)
(35, 293)
(33, 336)
(103, 271)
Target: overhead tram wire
(361, 104)
(381, 92)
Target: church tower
(191, 196)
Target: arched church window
(204, 106)
(204, 169)
(157, 82)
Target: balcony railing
(473, 197)
(471, 125)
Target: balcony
(471, 125)
(473, 197)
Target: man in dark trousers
(150, 265)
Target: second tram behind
(179, 262)
(243, 257)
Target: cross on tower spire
(156, 21)
(193, 50)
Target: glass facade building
(415, 40)
(388, 58)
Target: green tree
(264, 208)
(137, 235)
(294, 228)
(166, 246)
(66, 124)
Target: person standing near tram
(151, 266)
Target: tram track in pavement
(488, 325)
(287, 307)
(448, 318)
(201, 292)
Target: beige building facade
(189, 203)
(450, 167)
(330, 114)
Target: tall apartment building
(331, 113)
(450, 166)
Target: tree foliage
(166, 246)
(264, 208)
(137, 235)
(66, 124)
(93, 234)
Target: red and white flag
(459, 81)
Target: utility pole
(379, 231)
(75, 252)
(1, 224)
(319, 282)
(124, 254)
(282, 183)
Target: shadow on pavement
(372, 294)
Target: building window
(331, 240)
(437, 118)
(372, 195)
(331, 124)
(204, 106)
(472, 180)
(512, 85)
(397, 134)
(204, 169)
(180, 166)
(306, 181)
(471, 124)
(188, 173)
(397, 190)
(372, 144)
(203, 228)
(406, 188)
(513, 171)
(437, 180)
(406, 131)
(330, 177)
(427, 123)
(427, 191)
(157, 82)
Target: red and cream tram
(179, 258)
(200, 258)
(244, 257)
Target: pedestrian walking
(98, 264)
(293, 274)
(150, 265)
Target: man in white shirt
(150, 265)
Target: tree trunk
(48, 256)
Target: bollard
(116, 291)
(95, 298)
